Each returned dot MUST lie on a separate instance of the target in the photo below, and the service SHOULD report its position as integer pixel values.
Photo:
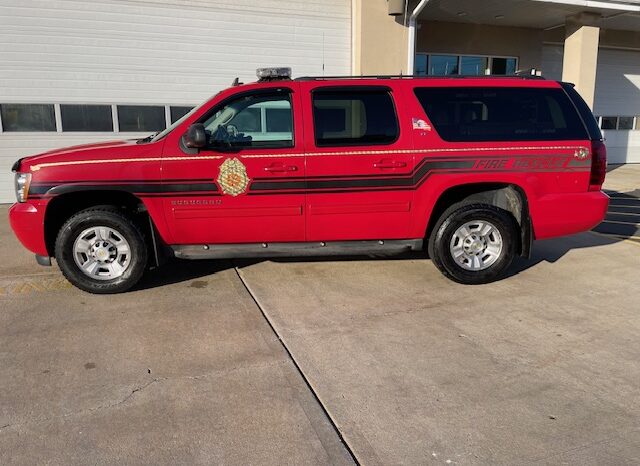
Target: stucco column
(581, 54)
(379, 40)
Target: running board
(310, 249)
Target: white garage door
(163, 54)
(617, 98)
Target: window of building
(140, 118)
(260, 120)
(420, 65)
(609, 122)
(178, 112)
(28, 117)
(625, 122)
(500, 65)
(442, 65)
(501, 114)
(354, 117)
(474, 66)
(466, 65)
(86, 117)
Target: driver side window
(263, 120)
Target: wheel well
(506, 196)
(61, 207)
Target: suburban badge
(233, 179)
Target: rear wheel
(101, 250)
(474, 243)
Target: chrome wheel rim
(102, 253)
(476, 245)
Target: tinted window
(260, 120)
(354, 117)
(501, 114)
(585, 112)
(28, 117)
(86, 118)
(179, 112)
(140, 118)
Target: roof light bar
(272, 74)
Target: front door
(359, 163)
(232, 191)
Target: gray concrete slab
(541, 367)
(183, 371)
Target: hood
(112, 149)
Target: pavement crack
(331, 420)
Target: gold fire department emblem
(233, 179)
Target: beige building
(593, 44)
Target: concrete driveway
(372, 361)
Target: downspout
(411, 47)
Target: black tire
(458, 215)
(110, 217)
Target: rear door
(359, 162)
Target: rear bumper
(27, 222)
(566, 214)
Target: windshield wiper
(148, 138)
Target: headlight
(22, 181)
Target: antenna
(322, 53)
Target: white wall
(153, 52)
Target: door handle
(389, 164)
(281, 168)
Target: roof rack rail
(408, 76)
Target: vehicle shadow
(611, 231)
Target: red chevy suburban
(473, 169)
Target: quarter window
(260, 120)
(86, 118)
(354, 117)
(501, 114)
(141, 118)
(28, 117)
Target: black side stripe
(397, 182)
(54, 190)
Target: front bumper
(27, 222)
(568, 213)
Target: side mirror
(195, 137)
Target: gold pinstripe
(302, 154)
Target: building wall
(380, 40)
(470, 39)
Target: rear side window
(354, 117)
(585, 111)
(501, 114)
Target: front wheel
(101, 250)
(474, 243)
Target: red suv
(472, 168)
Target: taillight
(598, 165)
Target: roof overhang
(537, 14)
